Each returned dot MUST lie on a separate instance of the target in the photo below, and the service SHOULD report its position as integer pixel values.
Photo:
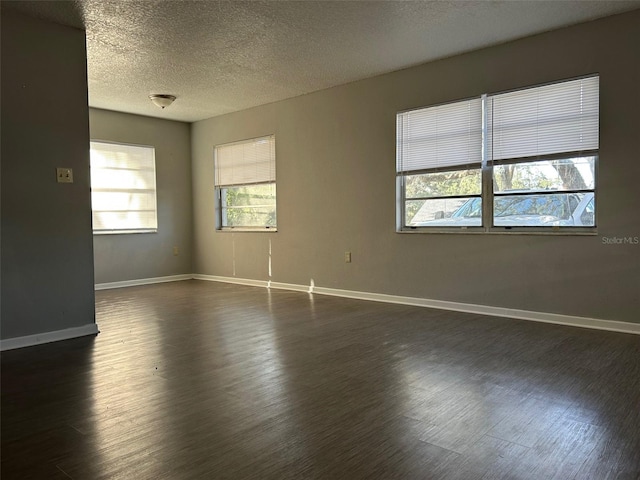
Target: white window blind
(440, 136)
(549, 119)
(123, 187)
(247, 162)
(533, 150)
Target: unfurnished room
(320, 240)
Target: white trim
(559, 319)
(240, 281)
(555, 318)
(253, 283)
(142, 281)
(292, 286)
(47, 337)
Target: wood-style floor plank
(194, 380)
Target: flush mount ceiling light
(162, 100)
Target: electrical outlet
(176, 251)
(64, 175)
(347, 257)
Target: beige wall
(47, 257)
(336, 187)
(147, 255)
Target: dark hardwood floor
(201, 380)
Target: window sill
(247, 229)
(566, 231)
(124, 232)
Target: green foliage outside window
(249, 206)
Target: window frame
(487, 194)
(220, 188)
(128, 230)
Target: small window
(123, 188)
(523, 161)
(245, 183)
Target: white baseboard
(47, 337)
(559, 319)
(142, 281)
(292, 286)
(254, 283)
(239, 281)
(555, 318)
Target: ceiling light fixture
(162, 100)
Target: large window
(123, 188)
(517, 161)
(245, 183)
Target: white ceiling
(219, 57)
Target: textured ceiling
(220, 57)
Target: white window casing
(123, 188)
(245, 184)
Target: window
(245, 183)
(523, 160)
(439, 159)
(123, 188)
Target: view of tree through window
(245, 184)
(536, 166)
(249, 205)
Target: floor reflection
(206, 380)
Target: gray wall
(47, 257)
(147, 255)
(336, 187)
